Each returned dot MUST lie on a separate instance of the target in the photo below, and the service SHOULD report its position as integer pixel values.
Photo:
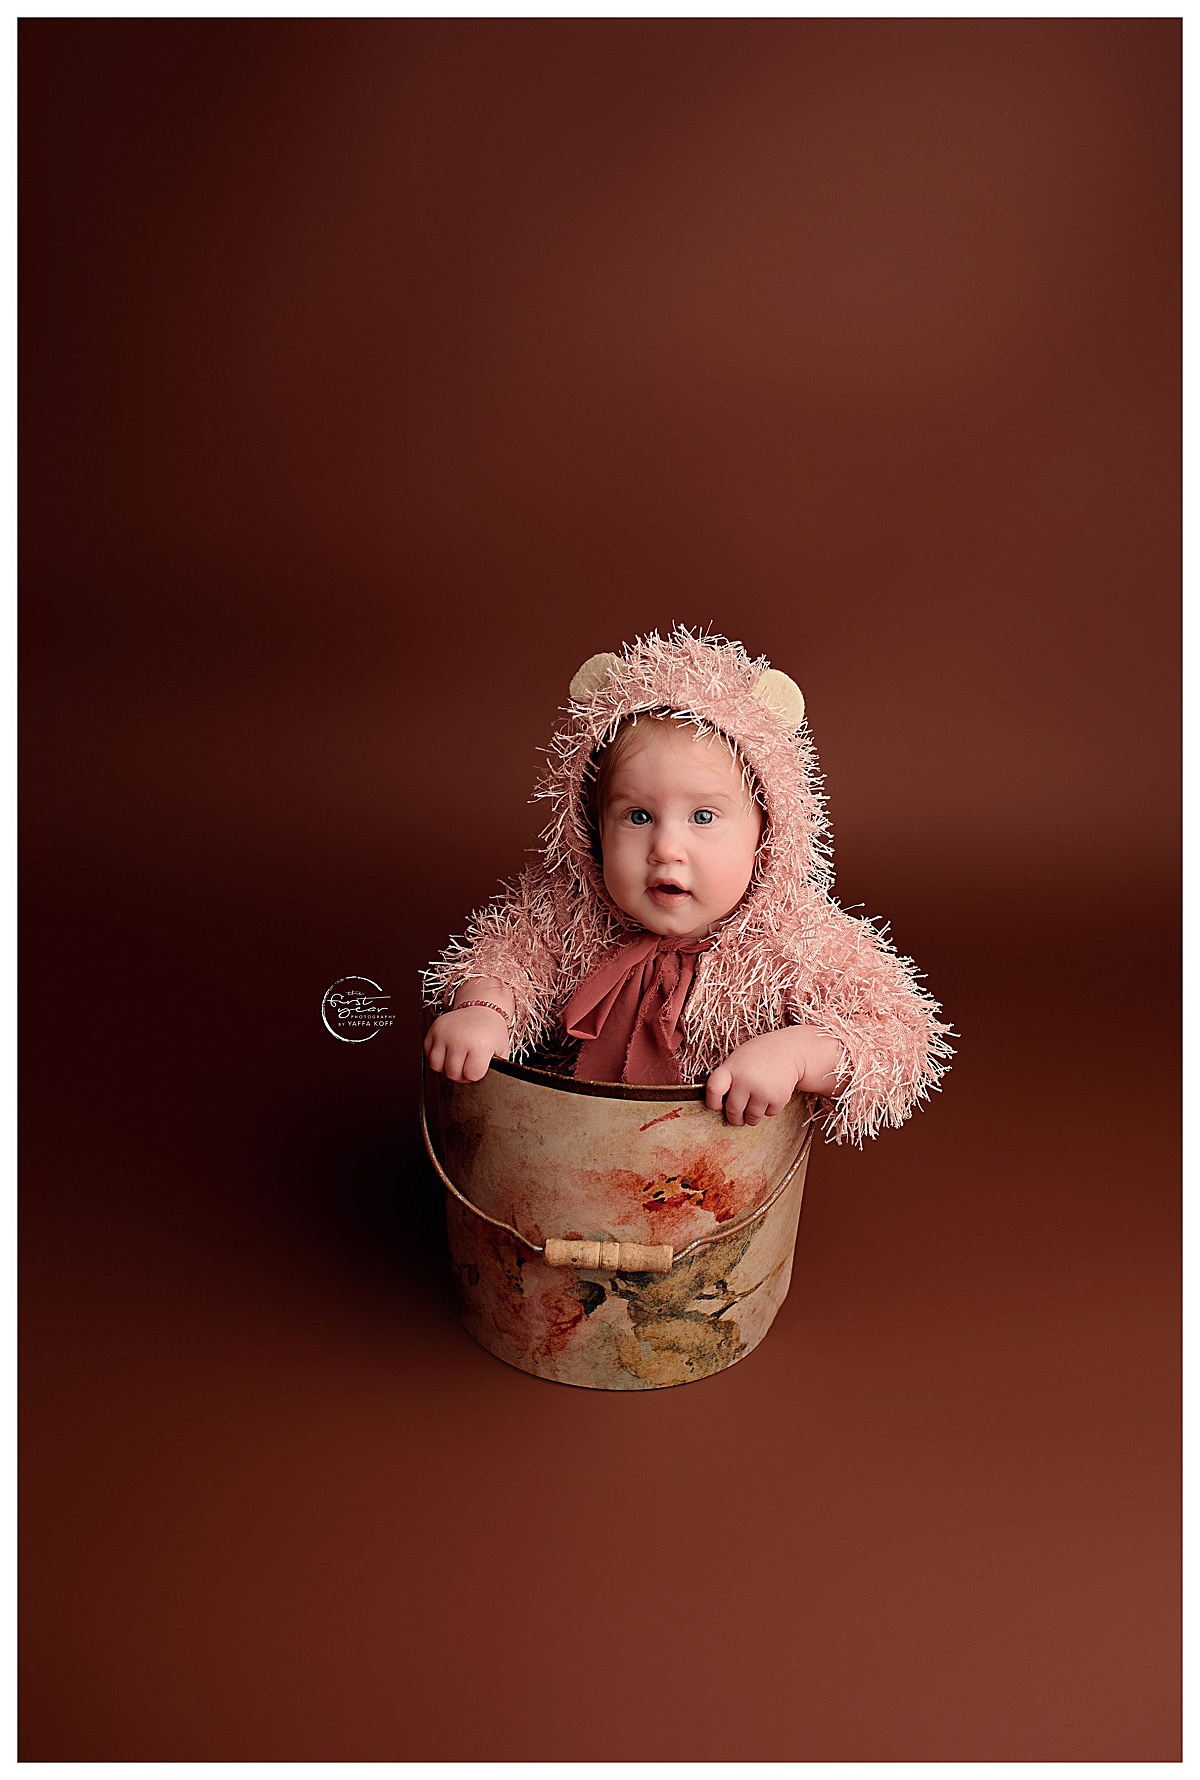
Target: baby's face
(678, 830)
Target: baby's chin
(684, 921)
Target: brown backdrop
(376, 373)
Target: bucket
(620, 1238)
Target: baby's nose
(667, 847)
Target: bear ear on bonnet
(592, 675)
(780, 695)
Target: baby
(678, 927)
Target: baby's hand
(461, 1044)
(757, 1080)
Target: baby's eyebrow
(705, 798)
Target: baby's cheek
(615, 870)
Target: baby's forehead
(668, 751)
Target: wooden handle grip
(610, 1257)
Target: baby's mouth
(668, 895)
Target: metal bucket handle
(612, 1257)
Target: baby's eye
(703, 817)
(639, 818)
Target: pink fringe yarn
(788, 953)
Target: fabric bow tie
(627, 1011)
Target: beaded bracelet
(507, 1018)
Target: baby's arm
(757, 1080)
(461, 1043)
(510, 955)
(868, 1001)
